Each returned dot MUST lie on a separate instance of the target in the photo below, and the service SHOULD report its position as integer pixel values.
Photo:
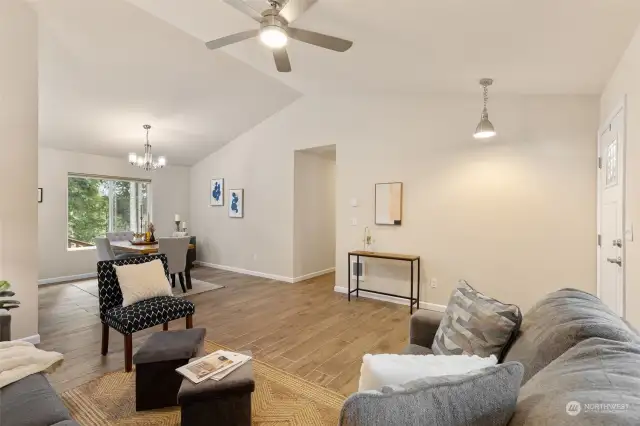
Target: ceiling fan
(275, 31)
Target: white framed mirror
(388, 203)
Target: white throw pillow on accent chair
(389, 369)
(142, 281)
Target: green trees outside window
(97, 206)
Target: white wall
(170, 192)
(625, 81)
(314, 245)
(18, 159)
(514, 215)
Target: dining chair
(105, 252)
(176, 251)
(120, 236)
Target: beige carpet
(280, 398)
(91, 287)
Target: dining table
(151, 248)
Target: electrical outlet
(434, 282)
(255, 256)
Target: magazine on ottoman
(215, 366)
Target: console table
(390, 256)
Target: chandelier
(146, 162)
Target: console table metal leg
(358, 276)
(418, 301)
(411, 297)
(349, 277)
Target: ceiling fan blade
(283, 64)
(234, 38)
(245, 8)
(294, 8)
(320, 40)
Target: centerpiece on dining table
(146, 238)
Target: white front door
(611, 214)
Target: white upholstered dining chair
(176, 251)
(105, 252)
(120, 236)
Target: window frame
(111, 219)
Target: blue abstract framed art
(236, 203)
(216, 192)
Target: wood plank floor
(304, 328)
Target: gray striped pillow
(475, 324)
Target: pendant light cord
(486, 97)
(485, 112)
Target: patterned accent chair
(139, 316)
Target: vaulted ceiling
(425, 46)
(108, 67)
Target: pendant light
(485, 129)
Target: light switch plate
(354, 202)
(628, 233)
(354, 221)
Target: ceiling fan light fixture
(485, 129)
(274, 37)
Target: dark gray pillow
(485, 397)
(475, 324)
(595, 383)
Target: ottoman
(227, 401)
(157, 382)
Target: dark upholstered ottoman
(157, 382)
(227, 402)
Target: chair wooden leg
(105, 339)
(173, 280)
(189, 321)
(187, 276)
(181, 276)
(165, 326)
(128, 353)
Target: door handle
(618, 260)
(617, 243)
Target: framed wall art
(216, 192)
(388, 203)
(236, 203)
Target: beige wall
(626, 81)
(514, 215)
(18, 160)
(314, 245)
(170, 195)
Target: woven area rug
(91, 287)
(280, 398)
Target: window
(97, 205)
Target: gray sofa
(32, 402)
(573, 349)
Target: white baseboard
(313, 275)
(398, 300)
(35, 339)
(245, 271)
(65, 279)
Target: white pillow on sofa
(142, 281)
(388, 369)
